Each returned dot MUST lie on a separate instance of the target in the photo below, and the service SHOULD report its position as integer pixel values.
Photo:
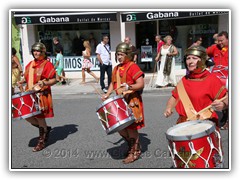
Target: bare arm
(109, 92)
(220, 105)
(56, 65)
(170, 105)
(139, 85)
(99, 59)
(158, 57)
(16, 60)
(174, 53)
(135, 58)
(49, 82)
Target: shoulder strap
(30, 76)
(106, 49)
(38, 73)
(187, 104)
(188, 107)
(40, 70)
(123, 79)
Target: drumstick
(208, 107)
(35, 85)
(120, 87)
(96, 90)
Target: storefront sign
(145, 16)
(146, 54)
(63, 17)
(74, 63)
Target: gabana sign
(55, 18)
(145, 16)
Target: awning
(163, 15)
(57, 17)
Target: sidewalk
(91, 87)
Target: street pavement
(78, 140)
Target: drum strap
(123, 79)
(32, 71)
(187, 104)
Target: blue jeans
(105, 68)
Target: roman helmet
(124, 48)
(39, 47)
(201, 53)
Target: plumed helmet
(39, 47)
(124, 48)
(201, 53)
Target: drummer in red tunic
(39, 76)
(197, 90)
(128, 79)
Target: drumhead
(22, 94)
(190, 130)
(108, 101)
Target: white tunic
(162, 79)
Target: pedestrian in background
(104, 58)
(17, 71)
(87, 64)
(166, 73)
(127, 40)
(219, 51)
(58, 45)
(59, 66)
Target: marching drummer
(197, 90)
(128, 80)
(39, 76)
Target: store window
(145, 43)
(185, 31)
(71, 36)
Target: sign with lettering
(63, 17)
(74, 63)
(145, 16)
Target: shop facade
(74, 27)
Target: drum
(221, 72)
(115, 115)
(24, 105)
(195, 144)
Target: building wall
(223, 23)
(118, 31)
(28, 39)
(131, 32)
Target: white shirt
(104, 54)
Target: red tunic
(220, 56)
(160, 44)
(132, 74)
(202, 90)
(43, 69)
